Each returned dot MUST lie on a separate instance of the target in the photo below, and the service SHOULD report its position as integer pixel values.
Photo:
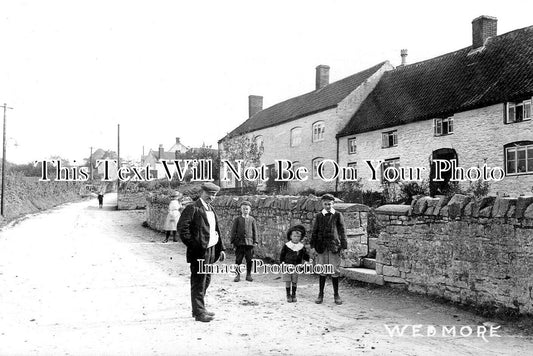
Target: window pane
(315, 166)
(527, 109)
(450, 126)
(352, 172)
(351, 146)
(521, 153)
(511, 161)
(511, 167)
(511, 154)
(521, 161)
(296, 136)
(519, 112)
(530, 159)
(511, 117)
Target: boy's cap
(246, 203)
(210, 187)
(328, 197)
(300, 228)
(175, 195)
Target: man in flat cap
(198, 229)
(328, 239)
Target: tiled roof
(306, 104)
(458, 81)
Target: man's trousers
(200, 282)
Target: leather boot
(336, 296)
(294, 300)
(289, 297)
(321, 284)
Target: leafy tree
(245, 149)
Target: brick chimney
(322, 76)
(403, 54)
(483, 27)
(160, 151)
(255, 104)
(177, 140)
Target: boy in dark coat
(328, 240)
(293, 253)
(244, 238)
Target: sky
(73, 70)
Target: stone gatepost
(356, 221)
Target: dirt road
(78, 280)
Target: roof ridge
(431, 60)
(320, 89)
(457, 52)
(308, 103)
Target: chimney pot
(403, 53)
(255, 104)
(483, 27)
(322, 76)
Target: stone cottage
(303, 129)
(472, 105)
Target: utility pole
(4, 160)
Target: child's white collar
(324, 211)
(295, 247)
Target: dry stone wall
(472, 251)
(274, 216)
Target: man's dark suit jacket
(193, 228)
(328, 233)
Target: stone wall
(274, 216)
(156, 211)
(477, 252)
(26, 195)
(132, 200)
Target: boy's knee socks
(335, 282)
(322, 283)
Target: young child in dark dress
(293, 253)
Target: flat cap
(246, 202)
(210, 187)
(327, 197)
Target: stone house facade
(303, 129)
(472, 105)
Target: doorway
(441, 187)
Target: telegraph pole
(4, 159)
